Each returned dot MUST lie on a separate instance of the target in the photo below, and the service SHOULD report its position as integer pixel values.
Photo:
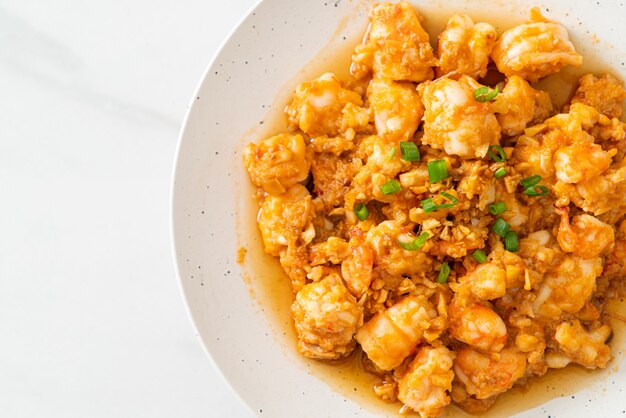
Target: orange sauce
(271, 289)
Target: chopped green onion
(497, 158)
(361, 212)
(409, 151)
(391, 153)
(497, 208)
(480, 256)
(391, 187)
(511, 243)
(500, 227)
(416, 244)
(500, 172)
(537, 191)
(437, 171)
(530, 181)
(428, 205)
(444, 272)
(453, 201)
(485, 94)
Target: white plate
(240, 320)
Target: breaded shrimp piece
(389, 256)
(519, 105)
(425, 386)
(598, 194)
(286, 227)
(324, 107)
(278, 162)
(586, 235)
(454, 121)
(485, 377)
(396, 106)
(477, 325)
(562, 146)
(586, 347)
(488, 281)
(334, 250)
(580, 161)
(391, 336)
(395, 46)
(605, 93)
(356, 268)
(464, 47)
(535, 50)
(326, 316)
(286, 219)
(567, 287)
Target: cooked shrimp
(464, 47)
(425, 386)
(334, 250)
(395, 46)
(485, 377)
(580, 161)
(586, 236)
(391, 336)
(389, 256)
(486, 282)
(454, 121)
(519, 104)
(567, 287)
(563, 144)
(397, 108)
(604, 93)
(319, 107)
(356, 268)
(535, 50)
(598, 195)
(326, 317)
(585, 347)
(286, 219)
(277, 162)
(388, 227)
(478, 326)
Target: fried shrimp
(455, 236)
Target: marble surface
(92, 97)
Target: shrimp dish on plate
(437, 212)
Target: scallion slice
(409, 151)
(501, 227)
(416, 244)
(453, 201)
(530, 181)
(485, 94)
(444, 272)
(511, 243)
(391, 153)
(501, 154)
(537, 191)
(437, 171)
(480, 256)
(500, 172)
(497, 208)
(391, 187)
(361, 212)
(428, 205)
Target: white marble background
(92, 96)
